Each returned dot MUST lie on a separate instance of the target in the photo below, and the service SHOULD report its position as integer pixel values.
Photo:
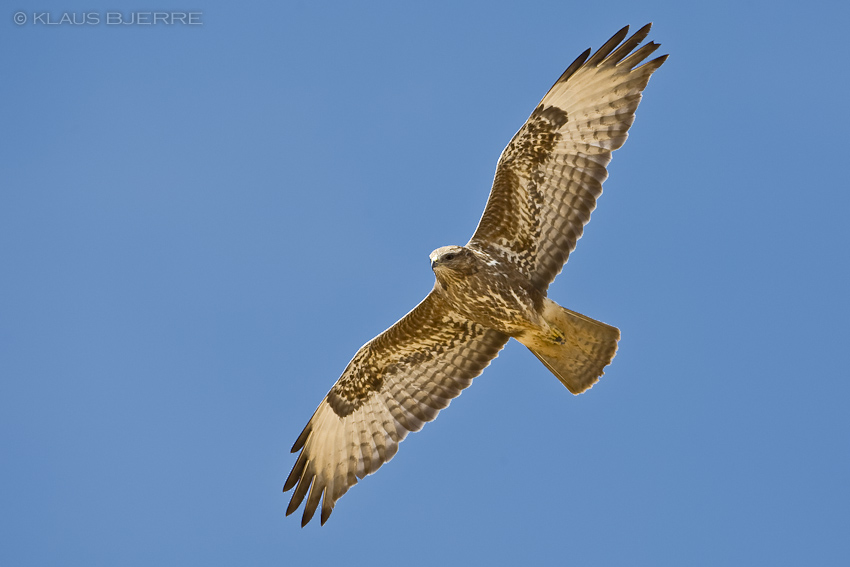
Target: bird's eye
(450, 256)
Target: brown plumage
(546, 185)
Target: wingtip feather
(302, 437)
(296, 472)
(653, 65)
(304, 484)
(608, 47)
(643, 31)
(629, 45)
(310, 506)
(574, 66)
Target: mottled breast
(486, 290)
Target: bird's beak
(433, 264)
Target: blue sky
(201, 224)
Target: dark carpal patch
(366, 373)
(359, 381)
(536, 140)
(512, 216)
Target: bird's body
(486, 290)
(493, 288)
(494, 294)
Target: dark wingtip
(308, 514)
(636, 57)
(655, 63)
(326, 513)
(296, 472)
(621, 33)
(574, 66)
(609, 46)
(643, 31)
(302, 437)
(291, 480)
(300, 491)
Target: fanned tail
(577, 348)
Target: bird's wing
(551, 173)
(394, 384)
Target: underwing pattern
(546, 185)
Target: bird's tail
(576, 349)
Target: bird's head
(453, 261)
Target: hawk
(546, 185)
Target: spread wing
(551, 173)
(394, 384)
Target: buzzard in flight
(547, 181)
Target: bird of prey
(547, 182)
